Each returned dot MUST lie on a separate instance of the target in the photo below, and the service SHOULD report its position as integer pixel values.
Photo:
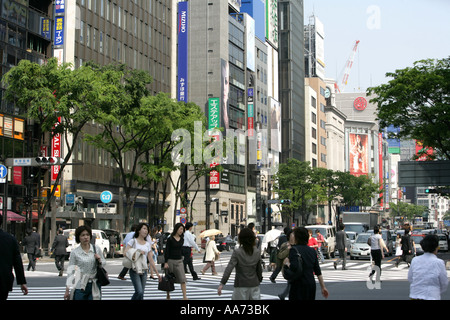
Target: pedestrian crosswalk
(206, 287)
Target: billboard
(272, 22)
(275, 125)
(182, 84)
(225, 89)
(358, 159)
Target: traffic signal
(48, 161)
(431, 191)
(285, 201)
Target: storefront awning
(14, 217)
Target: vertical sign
(182, 85)
(272, 22)
(60, 6)
(380, 166)
(213, 113)
(214, 123)
(59, 31)
(56, 152)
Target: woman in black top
(305, 287)
(174, 258)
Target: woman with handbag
(139, 251)
(211, 254)
(302, 284)
(247, 261)
(174, 258)
(81, 281)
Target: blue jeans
(139, 281)
(85, 294)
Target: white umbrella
(272, 235)
(209, 233)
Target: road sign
(183, 220)
(3, 171)
(182, 210)
(106, 196)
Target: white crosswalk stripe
(206, 287)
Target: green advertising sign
(213, 113)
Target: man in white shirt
(189, 243)
(427, 274)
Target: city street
(351, 284)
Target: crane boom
(348, 66)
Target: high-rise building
(26, 28)
(291, 79)
(135, 33)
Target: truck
(359, 221)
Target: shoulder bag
(167, 282)
(291, 275)
(102, 274)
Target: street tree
(417, 102)
(59, 100)
(137, 129)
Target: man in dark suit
(341, 246)
(59, 250)
(10, 257)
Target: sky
(393, 34)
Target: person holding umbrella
(211, 254)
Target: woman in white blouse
(427, 275)
(139, 250)
(81, 281)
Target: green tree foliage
(417, 101)
(308, 187)
(407, 210)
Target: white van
(329, 234)
(101, 240)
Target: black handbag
(102, 274)
(167, 282)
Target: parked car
(443, 243)
(101, 240)
(329, 234)
(360, 249)
(225, 243)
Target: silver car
(360, 249)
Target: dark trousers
(31, 261)
(376, 256)
(187, 261)
(59, 261)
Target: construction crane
(348, 66)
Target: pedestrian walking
(139, 251)
(127, 238)
(427, 275)
(341, 246)
(211, 255)
(81, 283)
(407, 245)
(188, 245)
(10, 259)
(246, 260)
(174, 258)
(304, 288)
(112, 245)
(377, 245)
(284, 238)
(31, 246)
(320, 242)
(59, 250)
